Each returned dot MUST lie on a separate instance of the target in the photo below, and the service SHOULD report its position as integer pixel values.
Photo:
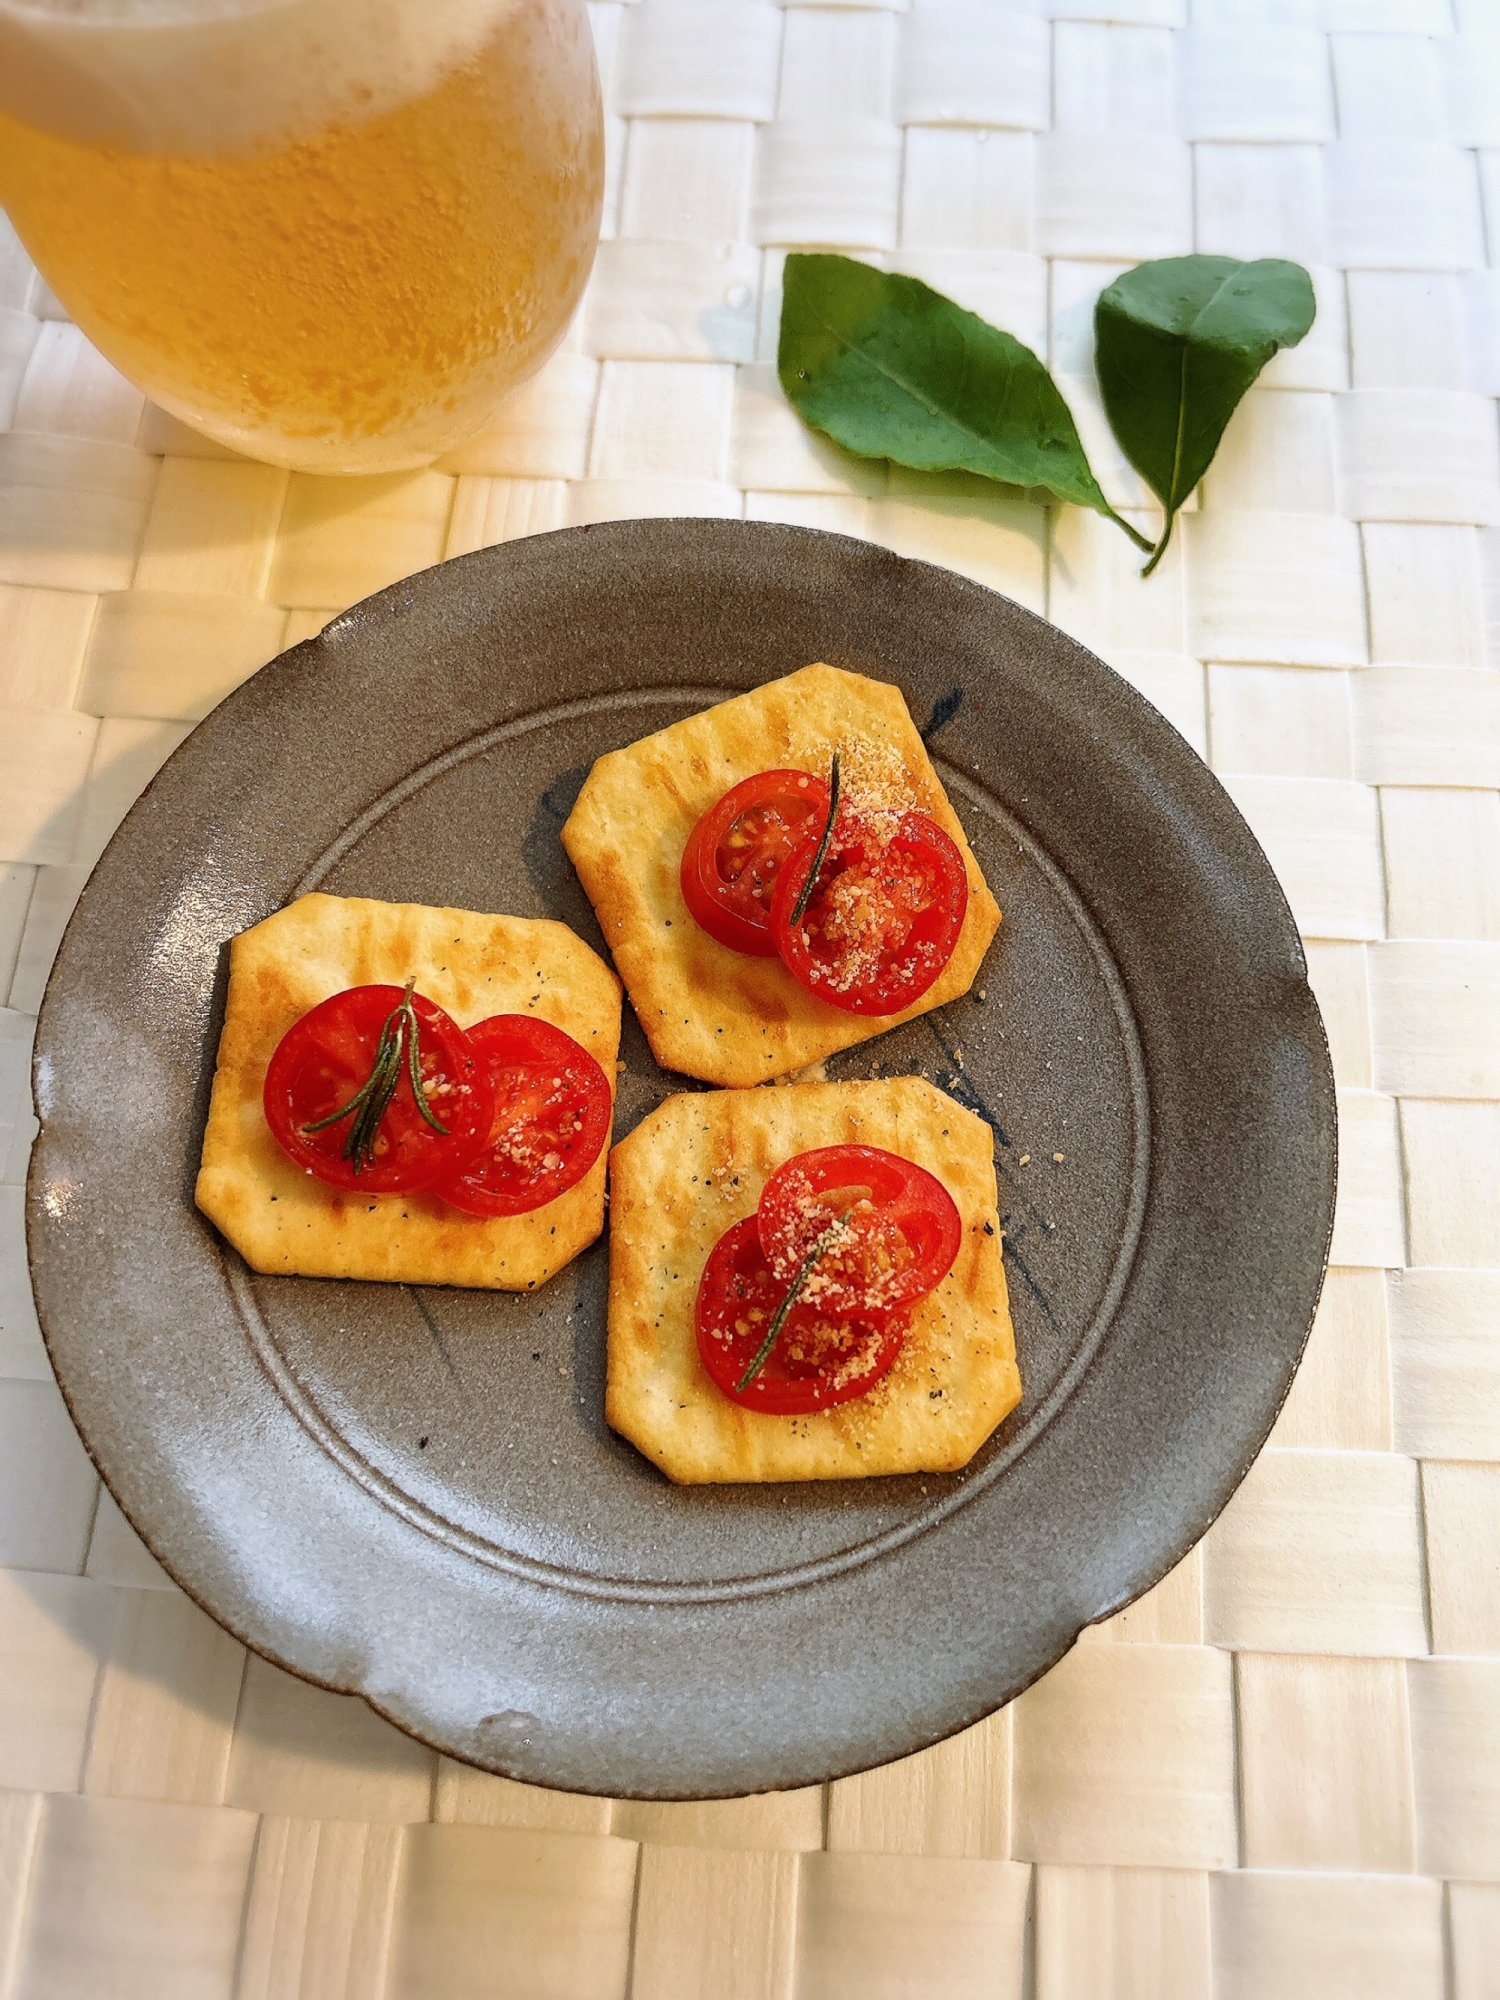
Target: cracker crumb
(813, 1072)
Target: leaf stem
(1161, 548)
(1142, 542)
(794, 1290)
(799, 908)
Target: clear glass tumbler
(329, 233)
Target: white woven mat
(1277, 1778)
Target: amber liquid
(359, 298)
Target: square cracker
(282, 1219)
(694, 1168)
(709, 1011)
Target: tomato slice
(884, 916)
(900, 1228)
(327, 1057)
(820, 1357)
(553, 1111)
(736, 853)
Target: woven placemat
(1277, 1777)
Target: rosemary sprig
(778, 1318)
(799, 908)
(400, 1038)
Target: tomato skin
(324, 1058)
(769, 813)
(537, 1073)
(903, 1229)
(884, 917)
(737, 1281)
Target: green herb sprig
(399, 1044)
(799, 908)
(794, 1291)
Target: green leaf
(1177, 343)
(889, 368)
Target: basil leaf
(1176, 345)
(889, 368)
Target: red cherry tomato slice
(736, 852)
(553, 1111)
(820, 1357)
(884, 917)
(327, 1057)
(901, 1228)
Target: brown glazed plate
(412, 1494)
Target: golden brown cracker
(694, 1168)
(281, 1219)
(708, 1011)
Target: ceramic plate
(412, 1494)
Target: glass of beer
(329, 233)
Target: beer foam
(224, 76)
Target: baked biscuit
(708, 1011)
(694, 1168)
(281, 1219)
